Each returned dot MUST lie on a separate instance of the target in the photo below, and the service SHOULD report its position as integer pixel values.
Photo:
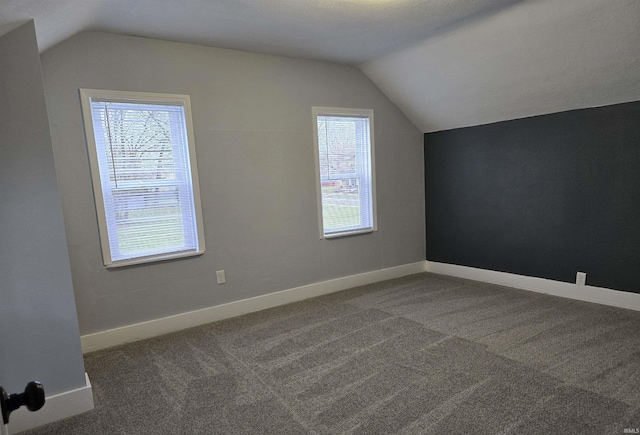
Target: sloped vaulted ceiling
(445, 63)
(349, 31)
(539, 57)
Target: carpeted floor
(423, 354)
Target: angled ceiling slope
(538, 57)
(348, 31)
(445, 63)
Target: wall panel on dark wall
(545, 196)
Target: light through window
(144, 175)
(344, 165)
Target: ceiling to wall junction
(445, 63)
(538, 57)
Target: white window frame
(86, 96)
(347, 113)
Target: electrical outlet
(581, 278)
(220, 276)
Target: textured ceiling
(445, 63)
(348, 31)
(539, 57)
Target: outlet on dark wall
(545, 196)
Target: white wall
(39, 337)
(253, 128)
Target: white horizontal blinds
(344, 150)
(145, 176)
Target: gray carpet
(423, 354)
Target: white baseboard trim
(152, 328)
(56, 407)
(599, 295)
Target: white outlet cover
(581, 278)
(220, 276)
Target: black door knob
(32, 398)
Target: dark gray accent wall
(545, 196)
(39, 337)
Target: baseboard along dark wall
(545, 196)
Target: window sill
(348, 233)
(153, 259)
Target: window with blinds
(345, 171)
(142, 158)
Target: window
(345, 171)
(145, 181)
